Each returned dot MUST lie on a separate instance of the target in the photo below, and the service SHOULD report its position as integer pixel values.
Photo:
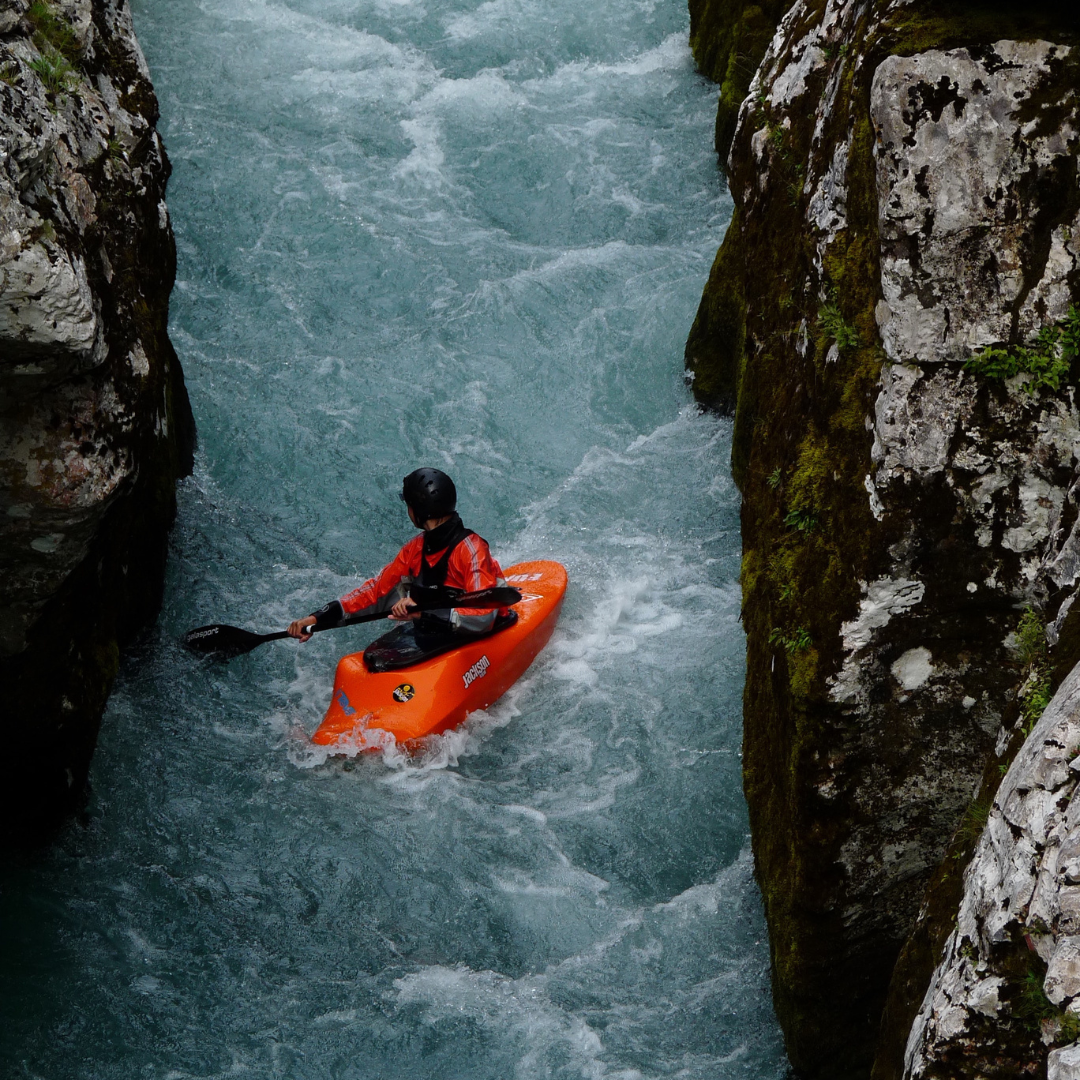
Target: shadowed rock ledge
(95, 425)
(907, 196)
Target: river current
(468, 235)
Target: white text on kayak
(477, 671)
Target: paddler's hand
(403, 610)
(298, 628)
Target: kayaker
(446, 555)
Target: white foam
(481, 95)
(672, 54)
(330, 60)
(337, 1016)
(468, 25)
(518, 1008)
(642, 948)
(426, 158)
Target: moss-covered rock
(728, 39)
(95, 425)
(897, 509)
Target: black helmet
(429, 493)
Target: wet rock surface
(95, 425)
(906, 192)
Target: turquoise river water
(470, 235)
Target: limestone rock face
(906, 194)
(1008, 985)
(964, 141)
(95, 425)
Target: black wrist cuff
(328, 616)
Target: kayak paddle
(229, 641)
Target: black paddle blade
(224, 641)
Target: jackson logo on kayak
(477, 671)
(404, 692)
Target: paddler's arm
(299, 628)
(402, 610)
(333, 613)
(368, 597)
(329, 615)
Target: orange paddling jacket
(469, 566)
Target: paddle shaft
(234, 641)
(279, 634)
(499, 596)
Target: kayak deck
(438, 693)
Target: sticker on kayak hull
(524, 577)
(477, 671)
(346, 705)
(404, 692)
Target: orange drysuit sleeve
(405, 566)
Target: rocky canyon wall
(891, 321)
(95, 425)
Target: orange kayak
(440, 692)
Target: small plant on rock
(52, 31)
(1039, 1014)
(800, 520)
(54, 71)
(1047, 359)
(798, 640)
(1070, 1028)
(1031, 638)
(45, 231)
(1032, 1005)
(975, 819)
(831, 323)
(1036, 698)
(1031, 648)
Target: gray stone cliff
(907, 196)
(95, 425)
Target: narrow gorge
(892, 321)
(475, 236)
